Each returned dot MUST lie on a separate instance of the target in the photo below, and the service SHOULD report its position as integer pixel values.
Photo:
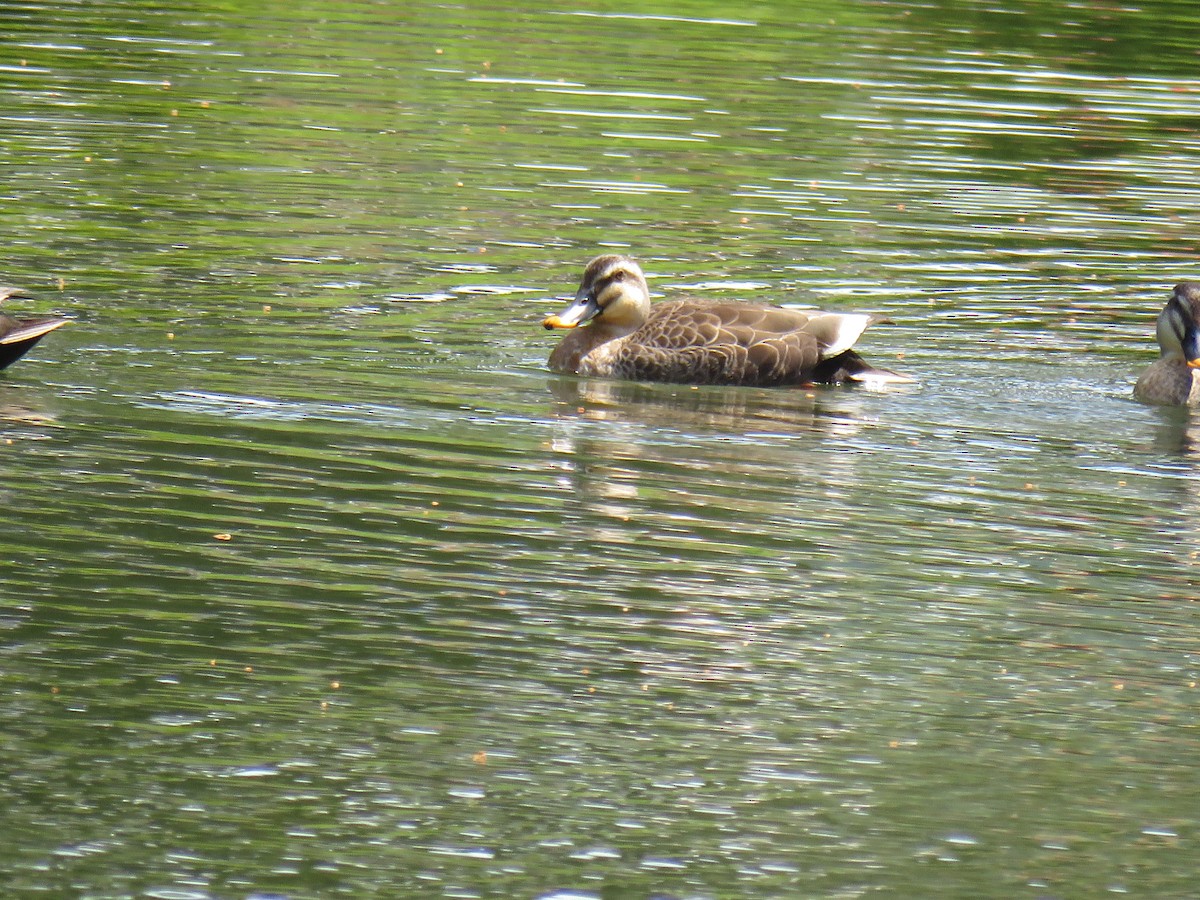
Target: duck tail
(849, 366)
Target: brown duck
(17, 336)
(702, 342)
(1175, 379)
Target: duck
(693, 341)
(17, 336)
(1174, 379)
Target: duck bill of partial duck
(582, 308)
(1190, 344)
(1191, 348)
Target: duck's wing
(719, 343)
(696, 342)
(837, 333)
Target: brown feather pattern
(690, 342)
(701, 341)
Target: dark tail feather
(849, 366)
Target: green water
(317, 583)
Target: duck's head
(1179, 324)
(613, 293)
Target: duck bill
(582, 308)
(1191, 347)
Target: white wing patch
(837, 331)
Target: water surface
(318, 583)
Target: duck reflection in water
(694, 341)
(17, 336)
(692, 409)
(1177, 434)
(680, 464)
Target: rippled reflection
(317, 583)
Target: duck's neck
(578, 343)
